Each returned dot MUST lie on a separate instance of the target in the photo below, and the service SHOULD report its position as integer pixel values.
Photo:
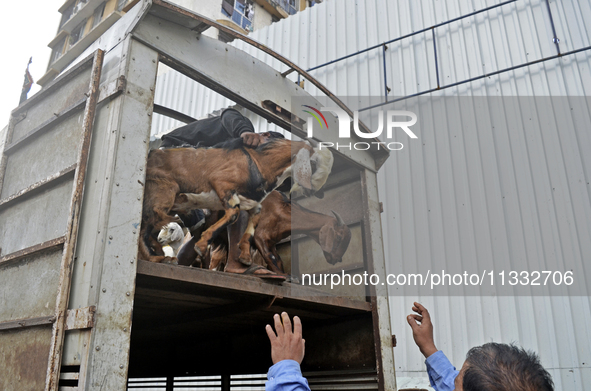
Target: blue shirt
(442, 374)
(286, 376)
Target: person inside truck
(231, 124)
(490, 367)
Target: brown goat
(228, 179)
(280, 218)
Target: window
(77, 33)
(240, 11)
(57, 50)
(98, 15)
(68, 12)
(289, 6)
(121, 4)
(72, 10)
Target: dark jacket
(210, 131)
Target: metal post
(226, 382)
(385, 75)
(435, 52)
(170, 383)
(554, 37)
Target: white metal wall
(532, 221)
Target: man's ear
(326, 238)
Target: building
(84, 21)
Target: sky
(26, 27)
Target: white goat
(172, 237)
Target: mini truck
(80, 311)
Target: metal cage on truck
(79, 311)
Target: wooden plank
(240, 283)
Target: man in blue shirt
(490, 367)
(287, 353)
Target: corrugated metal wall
(531, 221)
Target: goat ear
(326, 238)
(302, 170)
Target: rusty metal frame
(29, 322)
(65, 278)
(18, 255)
(52, 179)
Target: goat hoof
(171, 260)
(245, 262)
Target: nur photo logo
(391, 119)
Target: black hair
(502, 367)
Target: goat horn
(312, 142)
(340, 220)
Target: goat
(171, 237)
(281, 218)
(225, 179)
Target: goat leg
(274, 263)
(253, 220)
(232, 206)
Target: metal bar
(290, 70)
(168, 112)
(435, 53)
(412, 34)
(18, 255)
(39, 185)
(65, 278)
(554, 37)
(480, 77)
(226, 382)
(170, 383)
(385, 75)
(55, 120)
(30, 322)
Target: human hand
(251, 139)
(423, 332)
(286, 345)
